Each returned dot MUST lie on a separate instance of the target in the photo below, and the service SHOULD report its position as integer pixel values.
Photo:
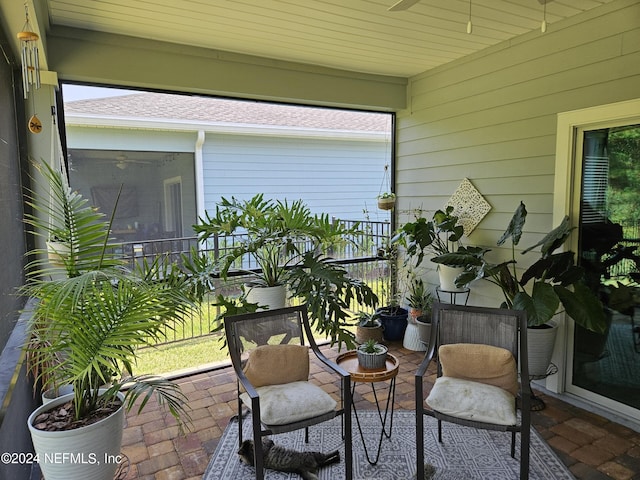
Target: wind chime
(30, 65)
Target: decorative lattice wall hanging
(468, 205)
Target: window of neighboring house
(176, 156)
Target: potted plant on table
(372, 355)
(289, 245)
(88, 325)
(555, 280)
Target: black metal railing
(359, 255)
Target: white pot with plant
(551, 284)
(372, 355)
(85, 331)
(439, 236)
(289, 245)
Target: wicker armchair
(273, 378)
(481, 370)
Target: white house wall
(337, 177)
(492, 118)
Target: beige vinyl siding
(491, 117)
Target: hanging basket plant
(386, 198)
(386, 201)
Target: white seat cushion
(291, 402)
(473, 401)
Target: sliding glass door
(607, 162)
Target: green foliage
(440, 235)
(87, 325)
(66, 216)
(371, 346)
(419, 295)
(623, 195)
(289, 244)
(277, 234)
(370, 320)
(329, 292)
(387, 195)
(556, 279)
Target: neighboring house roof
(204, 110)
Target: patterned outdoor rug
(465, 454)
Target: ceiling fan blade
(402, 5)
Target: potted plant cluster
(86, 326)
(438, 236)
(290, 246)
(553, 280)
(372, 355)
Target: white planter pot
(412, 339)
(424, 332)
(53, 393)
(448, 276)
(272, 297)
(540, 342)
(57, 253)
(86, 453)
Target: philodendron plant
(552, 280)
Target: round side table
(349, 361)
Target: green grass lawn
(187, 354)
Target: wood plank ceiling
(357, 35)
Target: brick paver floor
(593, 447)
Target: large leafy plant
(437, 236)
(290, 246)
(93, 314)
(275, 233)
(552, 280)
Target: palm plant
(89, 322)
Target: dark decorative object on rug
(306, 464)
(449, 461)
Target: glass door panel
(609, 250)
